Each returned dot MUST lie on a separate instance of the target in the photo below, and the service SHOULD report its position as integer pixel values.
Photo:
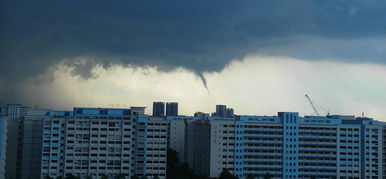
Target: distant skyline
(346, 89)
(258, 57)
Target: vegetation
(48, 177)
(122, 176)
(72, 177)
(267, 176)
(250, 177)
(175, 170)
(225, 174)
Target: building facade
(171, 109)
(93, 142)
(223, 111)
(178, 135)
(97, 142)
(13, 114)
(285, 146)
(3, 145)
(30, 144)
(158, 109)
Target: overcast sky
(258, 57)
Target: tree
(250, 176)
(156, 177)
(122, 176)
(267, 176)
(48, 177)
(225, 174)
(104, 176)
(178, 170)
(70, 176)
(172, 159)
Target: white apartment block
(283, 146)
(93, 142)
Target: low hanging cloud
(199, 36)
(256, 85)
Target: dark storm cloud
(197, 35)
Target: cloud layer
(202, 36)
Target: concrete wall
(177, 138)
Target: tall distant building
(172, 109)
(158, 109)
(223, 111)
(230, 112)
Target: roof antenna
(363, 114)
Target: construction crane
(312, 104)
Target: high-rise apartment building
(223, 111)
(172, 109)
(284, 146)
(93, 142)
(3, 144)
(13, 113)
(158, 109)
(30, 144)
(178, 133)
(384, 150)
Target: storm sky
(259, 57)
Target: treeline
(175, 170)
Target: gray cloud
(198, 35)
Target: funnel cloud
(200, 36)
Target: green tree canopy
(178, 170)
(70, 176)
(267, 176)
(48, 177)
(225, 174)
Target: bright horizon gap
(254, 85)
